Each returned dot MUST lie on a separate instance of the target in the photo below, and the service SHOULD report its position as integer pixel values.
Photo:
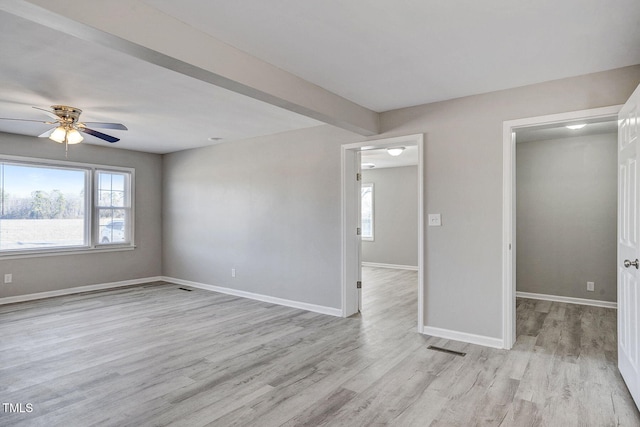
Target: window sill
(62, 252)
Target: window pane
(113, 207)
(111, 189)
(41, 207)
(113, 226)
(367, 211)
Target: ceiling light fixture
(576, 127)
(66, 134)
(395, 151)
(368, 165)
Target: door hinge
(358, 176)
(359, 284)
(358, 231)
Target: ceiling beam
(139, 30)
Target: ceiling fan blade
(100, 135)
(47, 134)
(48, 112)
(26, 120)
(118, 126)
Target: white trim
(130, 214)
(348, 259)
(104, 286)
(463, 336)
(508, 208)
(78, 289)
(258, 297)
(394, 266)
(421, 238)
(347, 160)
(568, 300)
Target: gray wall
(463, 182)
(50, 273)
(567, 216)
(271, 206)
(268, 207)
(395, 216)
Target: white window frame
(372, 237)
(92, 227)
(129, 180)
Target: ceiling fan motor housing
(67, 114)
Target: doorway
(511, 128)
(566, 212)
(352, 225)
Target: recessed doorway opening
(356, 160)
(550, 130)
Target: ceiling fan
(67, 128)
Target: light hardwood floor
(156, 355)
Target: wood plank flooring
(155, 355)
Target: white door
(628, 245)
(359, 245)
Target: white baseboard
(265, 298)
(569, 300)
(77, 290)
(463, 336)
(259, 297)
(396, 266)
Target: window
(367, 211)
(45, 206)
(113, 207)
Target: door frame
(350, 221)
(509, 208)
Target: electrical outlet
(591, 286)
(435, 220)
(233, 272)
(8, 278)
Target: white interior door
(628, 245)
(359, 210)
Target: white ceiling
(381, 159)
(386, 54)
(559, 130)
(378, 53)
(165, 111)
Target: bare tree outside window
(41, 207)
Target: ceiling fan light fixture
(60, 133)
(74, 137)
(395, 151)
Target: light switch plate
(435, 220)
